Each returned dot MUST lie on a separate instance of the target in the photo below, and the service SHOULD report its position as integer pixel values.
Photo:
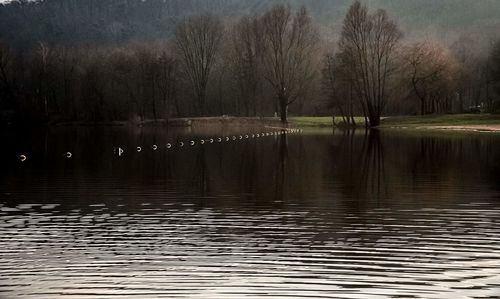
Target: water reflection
(363, 161)
(344, 215)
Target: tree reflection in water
(348, 168)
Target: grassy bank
(472, 122)
(321, 121)
(182, 122)
(441, 120)
(465, 122)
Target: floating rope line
(119, 151)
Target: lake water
(305, 215)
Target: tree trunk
(283, 109)
(374, 121)
(153, 98)
(201, 102)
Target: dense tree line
(63, 83)
(259, 66)
(255, 65)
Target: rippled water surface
(309, 215)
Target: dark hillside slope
(24, 23)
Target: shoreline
(448, 122)
(453, 122)
(178, 122)
(466, 128)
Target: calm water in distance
(310, 215)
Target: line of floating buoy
(24, 157)
(230, 138)
(119, 151)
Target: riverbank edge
(191, 122)
(450, 122)
(464, 128)
(456, 122)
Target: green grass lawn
(441, 120)
(405, 121)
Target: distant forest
(101, 60)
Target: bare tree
(289, 46)
(431, 73)
(7, 89)
(494, 73)
(167, 82)
(198, 39)
(368, 48)
(43, 78)
(338, 87)
(471, 54)
(245, 57)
